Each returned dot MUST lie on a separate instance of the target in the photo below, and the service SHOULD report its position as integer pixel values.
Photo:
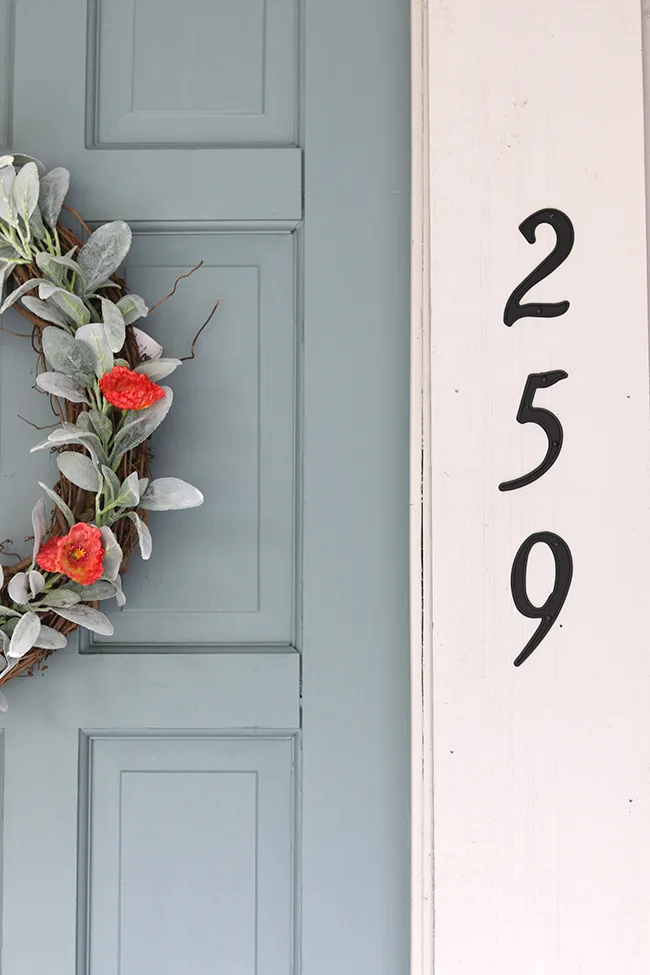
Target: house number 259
(527, 413)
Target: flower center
(78, 554)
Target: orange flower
(129, 390)
(79, 554)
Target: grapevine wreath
(102, 374)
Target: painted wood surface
(537, 776)
(223, 786)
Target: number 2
(527, 413)
(565, 237)
(549, 611)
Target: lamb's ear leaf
(54, 186)
(157, 369)
(36, 226)
(103, 252)
(140, 424)
(102, 589)
(56, 267)
(112, 554)
(17, 293)
(79, 470)
(39, 525)
(114, 324)
(170, 494)
(101, 424)
(86, 616)
(132, 307)
(36, 582)
(50, 639)
(95, 338)
(25, 191)
(24, 636)
(61, 598)
(57, 384)
(64, 354)
(70, 304)
(60, 503)
(129, 491)
(18, 589)
(144, 535)
(45, 310)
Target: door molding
(421, 514)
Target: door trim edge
(422, 903)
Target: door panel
(222, 785)
(232, 430)
(169, 80)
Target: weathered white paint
(539, 784)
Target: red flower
(48, 555)
(79, 554)
(129, 390)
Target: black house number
(527, 413)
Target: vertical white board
(540, 791)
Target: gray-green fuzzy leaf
(25, 191)
(57, 268)
(86, 616)
(101, 425)
(112, 555)
(61, 598)
(57, 384)
(50, 639)
(7, 612)
(170, 494)
(144, 535)
(157, 369)
(102, 589)
(17, 293)
(66, 355)
(9, 254)
(79, 470)
(104, 252)
(18, 588)
(111, 483)
(132, 307)
(94, 338)
(7, 206)
(54, 186)
(36, 582)
(24, 636)
(36, 225)
(140, 424)
(71, 304)
(114, 324)
(59, 502)
(45, 310)
(130, 491)
(39, 525)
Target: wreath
(103, 376)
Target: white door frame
(537, 105)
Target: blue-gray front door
(222, 787)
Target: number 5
(527, 413)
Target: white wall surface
(536, 778)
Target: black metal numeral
(549, 611)
(527, 413)
(565, 237)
